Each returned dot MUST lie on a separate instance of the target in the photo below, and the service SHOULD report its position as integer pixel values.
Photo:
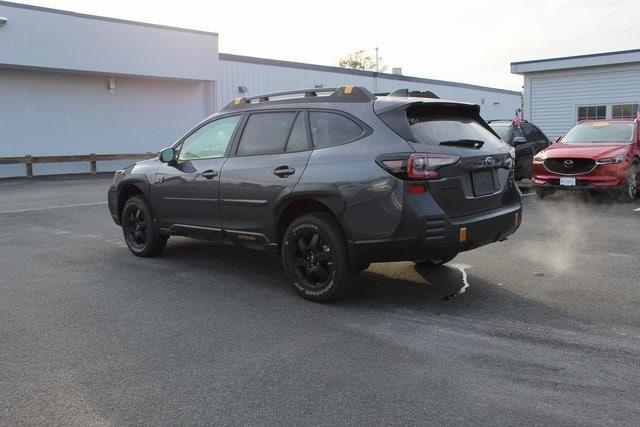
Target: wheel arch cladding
(296, 206)
(129, 189)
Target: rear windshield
(599, 132)
(442, 129)
(501, 129)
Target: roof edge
(103, 18)
(334, 69)
(588, 55)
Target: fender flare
(325, 193)
(138, 181)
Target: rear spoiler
(380, 106)
(405, 93)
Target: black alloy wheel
(135, 226)
(139, 228)
(632, 185)
(315, 258)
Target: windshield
(599, 132)
(501, 129)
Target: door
(187, 189)
(541, 141)
(269, 160)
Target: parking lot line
(53, 207)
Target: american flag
(516, 118)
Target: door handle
(284, 171)
(209, 174)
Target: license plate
(483, 183)
(567, 181)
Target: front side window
(268, 133)
(592, 112)
(599, 132)
(329, 129)
(209, 141)
(624, 111)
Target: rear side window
(437, 126)
(329, 129)
(266, 133)
(298, 137)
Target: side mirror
(167, 155)
(519, 140)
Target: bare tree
(361, 60)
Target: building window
(624, 111)
(592, 112)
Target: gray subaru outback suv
(332, 179)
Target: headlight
(610, 161)
(540, 157)
(512, 153)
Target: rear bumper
(442, 236)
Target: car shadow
(437, 290)
(388, 287)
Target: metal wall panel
(260, 78)
(553, 98)
(47, 113)
(49, 39)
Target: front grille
(569, 166)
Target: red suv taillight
(417, 166)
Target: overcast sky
(470, 41)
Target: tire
(544, 192)
(435, 262)
(631, 190)
(315, 258)
(140, 230)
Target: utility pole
(377, 71)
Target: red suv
(592, 155)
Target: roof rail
(340, 94)
(406, 93)
(505, 120)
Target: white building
(558, 92)
(78, 84)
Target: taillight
(416, 166)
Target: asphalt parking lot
(547, 331)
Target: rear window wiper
(466, 143)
